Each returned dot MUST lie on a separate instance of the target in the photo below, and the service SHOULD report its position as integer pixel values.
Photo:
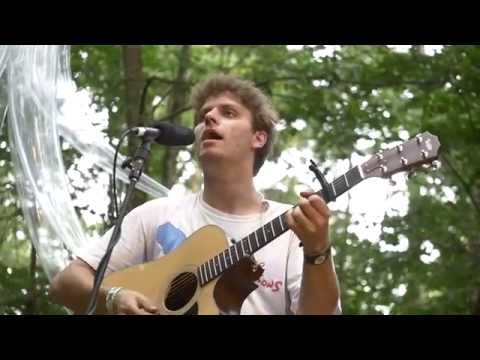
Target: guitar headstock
(423, 149)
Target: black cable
(114, 187)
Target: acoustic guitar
(204, 275)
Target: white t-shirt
(159, 226)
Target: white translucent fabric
(3, 58)
(39, 85)
(3, 100)
(3, 84)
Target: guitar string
(180, 284)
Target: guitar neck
(267, 233)
(345, 182)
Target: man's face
(224, 131)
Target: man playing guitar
(234, 127)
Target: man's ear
(259, 139)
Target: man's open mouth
(211, 135)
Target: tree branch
(169, 81)
(163, 97)
(462, 181)
(143, 96)
(174, 114)
(299, 99)
(342, 81)
(148, 83)
(238, 62)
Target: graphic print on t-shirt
(169, 237)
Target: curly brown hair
(263, 114)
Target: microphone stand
(136, 166)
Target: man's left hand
(309, 221)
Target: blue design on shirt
(169, 237)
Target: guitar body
(172, 283)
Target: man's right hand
(129, 302)
(73, 286)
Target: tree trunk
(30, 305)
(134, 83)
(176, 102)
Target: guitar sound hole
(182, 289)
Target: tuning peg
(399, 149)
(379, 155)
(392, 182)
(384, 169)
(419, 139)
(436, 165)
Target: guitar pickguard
(234, 286)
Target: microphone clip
(136, 163)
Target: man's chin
(208, 154)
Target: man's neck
(232, 194)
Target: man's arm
(73, 286)
(319, 292)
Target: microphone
(166, 133)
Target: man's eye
(229, 113)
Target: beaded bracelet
(111, 294)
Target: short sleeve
(129, 251)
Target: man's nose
(211, 118)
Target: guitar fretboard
(345, 182)
(265, 234)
